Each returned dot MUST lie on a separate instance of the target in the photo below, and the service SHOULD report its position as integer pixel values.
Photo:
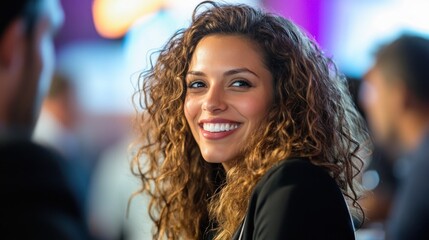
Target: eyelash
(243, 83)
(191, 84)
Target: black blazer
(36, 199)
(297, 200)
(409, 217)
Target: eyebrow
(227, 73)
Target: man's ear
(406, 100)
(11, 44)
(412, 102)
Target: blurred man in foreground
(396, 99)
(36, 200)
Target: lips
(215, 129)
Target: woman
(248, 131)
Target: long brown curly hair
(312, 116)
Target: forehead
(227, 49)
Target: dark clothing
(36, 200)
(410, 212)
(297, 200)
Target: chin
(214, 158)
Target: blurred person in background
(57, 128)
(378, 180)
(37, 202)
(396, 100)
(57, 121)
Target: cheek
(254, 108)
(191, 110)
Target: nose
(214, 100)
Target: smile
(219, 127)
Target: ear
(411, 102)
(406, 100)
(11, 44)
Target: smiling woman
(248, 132)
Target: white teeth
(219, 127)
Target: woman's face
(229, 91)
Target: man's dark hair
(13, 9)
(407, 59)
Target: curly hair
(312, 116)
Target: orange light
(112, 18)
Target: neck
(226, 166)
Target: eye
(196, 84)
(241, 83)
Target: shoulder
(410, 213)
(36, 189)
(22, 148)
(23, 159)
(298, 172)
(31, 168)
(293, 194)
(27, 168)
(297, 200)
(299, 183)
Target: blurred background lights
(134, 30)
(112, 18)
(355, 29)
(370, 180)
